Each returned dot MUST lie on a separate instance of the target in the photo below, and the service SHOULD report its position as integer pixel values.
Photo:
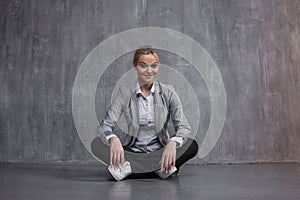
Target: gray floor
(263, 181)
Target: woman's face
(147, 68)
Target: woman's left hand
(168, 157)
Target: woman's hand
(116, 152)
(168, 157)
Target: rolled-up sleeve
(178, 140)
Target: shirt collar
(138, 89)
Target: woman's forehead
(148, 58)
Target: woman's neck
(145, 88)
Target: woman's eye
(143, 65)
(154, 65)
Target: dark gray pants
(145, 162)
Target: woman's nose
(149, 70)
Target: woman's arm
(181, 125)
(112, 115)
(182, 131)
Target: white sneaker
(119, 173)
(164, 175)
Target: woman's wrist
(113, 139)
(172, 142)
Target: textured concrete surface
(259, 182)
(256, 45)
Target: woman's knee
(193, 149)
(95, 144)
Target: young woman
(146, 149)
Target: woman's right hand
(116, 152)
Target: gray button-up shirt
(147, 140)
(146, 110)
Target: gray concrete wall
(256, 45)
